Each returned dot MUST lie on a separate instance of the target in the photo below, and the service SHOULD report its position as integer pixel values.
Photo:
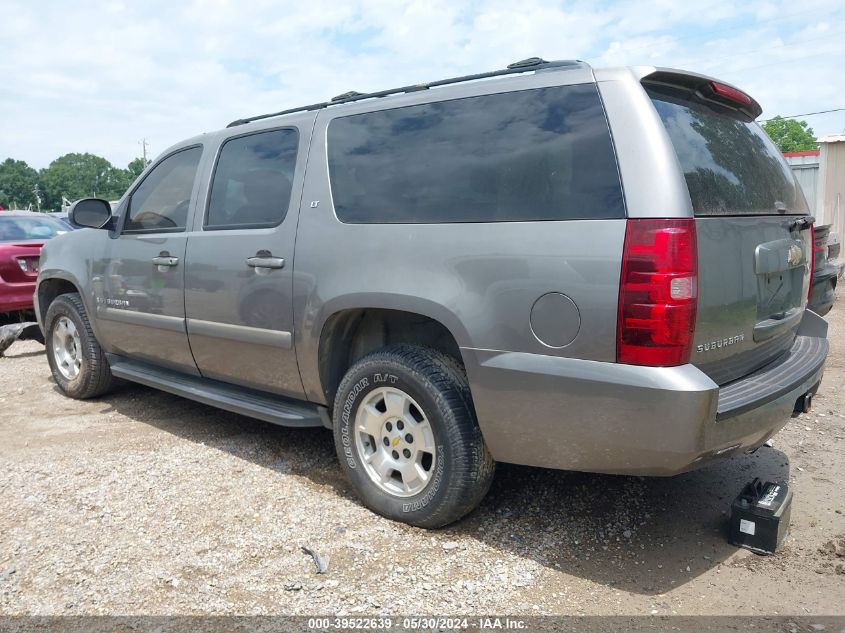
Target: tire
(415, 404)
(77, 361)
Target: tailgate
(754, 238)
(753, 283)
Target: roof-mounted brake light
(731, 93)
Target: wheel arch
(351, 330)
(51, 287)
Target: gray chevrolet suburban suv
(553, 265)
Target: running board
(254, 404)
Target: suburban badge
(725, 342)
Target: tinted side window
(541, 154)
(161, 201)
(252, 181)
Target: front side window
(161, 201)
(252, 181)
(542, 154)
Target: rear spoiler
(705, 88)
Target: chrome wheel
(67, 350)
(395, 442)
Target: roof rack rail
(523, 66)
(346, 95)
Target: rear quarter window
(542, 154)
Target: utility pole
(144, 145)
(37, 191)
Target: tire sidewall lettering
(348, 405)
(390, 379)
(433, 488)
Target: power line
(795, 116)
(721, 31)
(783, 62)
(712, 63)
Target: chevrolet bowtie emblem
(795, 255)
(395, 441)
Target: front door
(239, 271)
(140, 297)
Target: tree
(17, 184)
(135, 168)
(75, 176)
(119, 181)
(790, 135)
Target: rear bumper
(16, 296)
(604, 417)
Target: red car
(22, 234)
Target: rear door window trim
(213, 174)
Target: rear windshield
(21, 228)
(730, 165)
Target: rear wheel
(77, 361)
(407, 437)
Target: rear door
(239, 275)
(753, 239)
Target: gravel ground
(145, 503)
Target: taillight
(658, 292)
(28, 264)
(812, 265)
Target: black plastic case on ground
(760, 516)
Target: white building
(830, 191)
(821, 174)
(805, 166)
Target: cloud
(99, 76)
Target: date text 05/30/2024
(417, 623)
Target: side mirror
(93, 213)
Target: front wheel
(79, 365)
(407, 438)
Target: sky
(101, 76)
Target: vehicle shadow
(645, 535)
(38, 352)
(642, 535)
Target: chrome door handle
(265, 262)
(165, 260)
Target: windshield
(730, 165)
(25, 227)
